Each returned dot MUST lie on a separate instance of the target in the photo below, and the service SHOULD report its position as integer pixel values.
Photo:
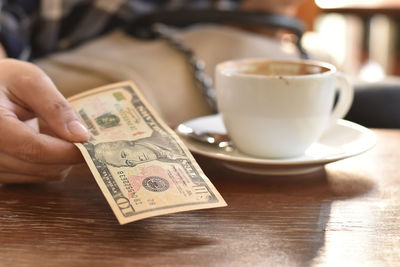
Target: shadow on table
(269, 219)
(284, 217)
(75, 215)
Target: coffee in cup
(277, 109)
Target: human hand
(26, 154)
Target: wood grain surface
(346, 215)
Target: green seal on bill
(108, 120)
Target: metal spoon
(217, 139)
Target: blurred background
(362, 37)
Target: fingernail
(77, 129)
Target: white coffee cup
(277, 109)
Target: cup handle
(346, 94)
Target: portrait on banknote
(130, 153)
(141, 166)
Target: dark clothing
(32, 28)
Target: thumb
(37, 92)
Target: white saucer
(343, 140)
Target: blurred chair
(376, 105)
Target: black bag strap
(155, 25)
(141, 25)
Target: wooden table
(347, 215)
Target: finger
(45, 129)
(9, 107)
(34, 89)
(15, 165)
(26, 144)
(33, 124)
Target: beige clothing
(160, 72)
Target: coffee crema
(275, 68)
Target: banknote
(140, 164)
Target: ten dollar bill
(139, 163)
